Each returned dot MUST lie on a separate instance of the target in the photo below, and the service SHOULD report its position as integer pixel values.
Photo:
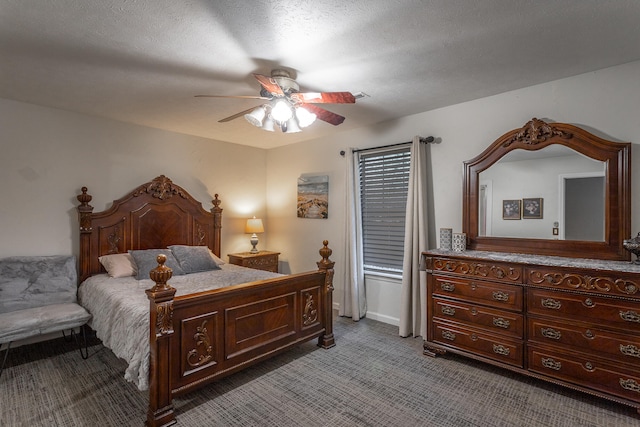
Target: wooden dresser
(573, 322)
(261, 260)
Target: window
(384, 184)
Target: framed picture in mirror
(532, 208)
(511, 209)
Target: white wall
(47, 155)
(605, 102)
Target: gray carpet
(371, 378)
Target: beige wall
(47, 155)
(605, 102)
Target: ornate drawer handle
(500, 296)
(474, 337)
(448, 310)
(448, 335)
(588, 302)
(588, 333)
(446, 286)
(630, 316)
(630, 384)
(630, 350)
(474, 311)
(500, 349)
(548, 362)
(501, 323)
(551, 333)
(588, 366)
(551, 303)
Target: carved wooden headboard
(154, 215)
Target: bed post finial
(216, 210)
(85, 211)
(161, 412)
(325, 253)
(327, 339)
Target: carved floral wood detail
(535, 132)
(201, 337)
(161, 188)
(589, 283)
(113, 241)
(477, 269)
(310, 314)
(164, 318)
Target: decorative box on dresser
(573, 322)
(261, 260)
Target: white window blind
(384, 184)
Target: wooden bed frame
(198, 338)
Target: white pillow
(118, 265)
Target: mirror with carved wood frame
(536, 135)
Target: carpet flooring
(371, 378)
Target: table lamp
(254, 225)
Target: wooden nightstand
(262, 260)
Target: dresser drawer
(625, 347)
(494, 294)
(494, 347)
(267, 262)
(497, 271)
(262, 260)
(582, 370)
(618, 284)
(491, 319)
(614, 313)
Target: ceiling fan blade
(231, 96)
(325, 97)
(235, 116)
(269, 83)
(324, 115)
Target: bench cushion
(35, 281)
(21, 324)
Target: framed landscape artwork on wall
(313, 197)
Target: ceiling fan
(287, 108)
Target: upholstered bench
(38, 296)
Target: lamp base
(254, 242)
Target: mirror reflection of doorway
(485, 202)
(583, 205)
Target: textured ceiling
(142, 61)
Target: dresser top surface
(553, 261)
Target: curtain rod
(427, 140)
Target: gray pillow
(194, 259)
(146, 261)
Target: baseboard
(375, 316)
(383, 318)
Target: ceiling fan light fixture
(291, 126)
(281, 111)
(268, 124)
(305, 118)
(256, 116)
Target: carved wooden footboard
(196, 339)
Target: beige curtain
(413, 319)
(354, 303)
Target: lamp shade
(254, 225)
(256, 116)
(281, 111)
